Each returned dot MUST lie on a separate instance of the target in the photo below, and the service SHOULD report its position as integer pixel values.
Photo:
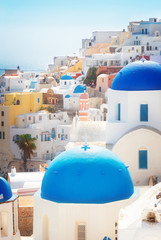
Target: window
(2, 113)
(41, 137)
(144, 112)
(2, 124)
(29, 118)
(58, 135)
(53, 135)
(147, 48)
(142, 31)
(38, 100)
(45, 137)
(0, 135)
(81, 232)
(40, 118)
(3, 135)
(146, 31)
(119, 112)
(16, 138)
(143, 159)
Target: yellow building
(14, 104)
(76, 68)
(20, 103)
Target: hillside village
(80, 142)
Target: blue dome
(66, 77)
(86, 175)
(5, 190)
(67, 96)
(79, 89)
(138, 76)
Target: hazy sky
(34, 31)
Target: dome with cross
(86, 174)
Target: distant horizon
(34, 32)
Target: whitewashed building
(141, 219)
(8, 212)
(45, 127)
(79, 198)
(134, 116)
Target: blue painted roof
(79, 89)
(138, 76)
(5, 190)
(67, 96)
(86, 175)
(66, 77)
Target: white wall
(8, 221)
(130, 111)
(127, 148)
(72, 103)
(63, 218)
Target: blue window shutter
(99, 89)
(144, 112)
(143, 164)
(41, 137)
(119, 111)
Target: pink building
(104, 82)
(84, 107)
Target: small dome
(67, 96)
(66, 77)
(138, 76)
(103, 75)
(79, 89)
(87, 174)
(5, 190)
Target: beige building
(5, 153)
(15, 104)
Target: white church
(134, 119)
(81, 194)
(8, 212)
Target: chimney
(13, 171)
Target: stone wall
(25, 212)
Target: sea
(37, 71)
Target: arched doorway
(45, 228)
(4, 223)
